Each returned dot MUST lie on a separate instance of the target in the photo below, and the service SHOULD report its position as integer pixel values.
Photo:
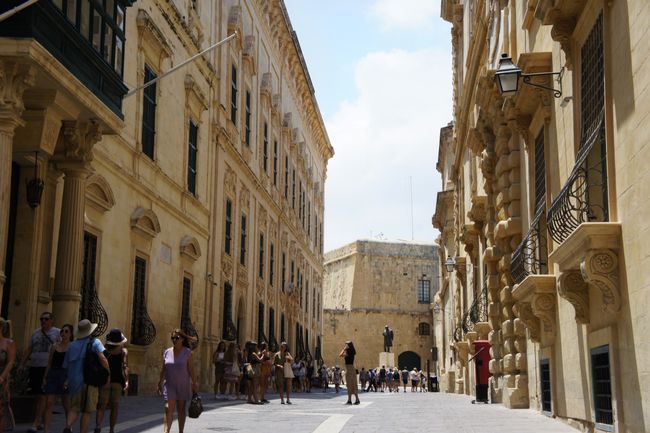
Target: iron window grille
(260, 323)
(265, 148)
(275, 163)
(90, 306)
(261, 257)
(602, 387)
(284, 271)
(229, 330)
(271, 263)
(293, 189)
(584, 196)
(228, 235)
(424, 291)
(540, 171)
(286, 177)
(149, 113)
(531, 256)
(186, 321)
(477, 312)
(272, 339)
(143, 331)
(233, 94)
(424, 329)
(242, 241)
(545, 384)
(191, 157)
(282, 328)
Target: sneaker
(357, 402)
(348, 402)
(288, 402)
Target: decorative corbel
(600, 269)
(572, 287)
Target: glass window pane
(71, 10)
(119, 55)
(108, 43)
(119, 18)
(97, 29)
(84, 22)
(110, 7)
(58, 4)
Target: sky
(382, 74)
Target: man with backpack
(87, 370)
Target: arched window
(424, 329)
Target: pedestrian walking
(283, 372)
(252, 372)
(56, 376)
(83, 396)
(177, 379)
(266, 365)
(323, 377)
(232, 371)
(348, 353)
(415, 379)
(37, 354)
(336, 378)
(218, 360)
(405, 377)
(7, 360)
(110, 394)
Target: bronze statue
(388, 338)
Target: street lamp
(508, 73)
(450, 263)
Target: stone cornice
(280, 28)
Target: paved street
(326, 413)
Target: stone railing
(531, 256)
(584, 196)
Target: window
(308, 218)
(300, 286)
(424, 291)
(185, 306)
(102, 24)
(88, 288)
(242, 241)
(271, 264)
(424, 329)
(233, 94)
(320, 240)
(227, 310)
(272, 326)
(247, 126)
(540, 171)
(275, 163)
(261, 257)
(265, 149)
(545, 384)
(191, 158)
(592, 76)
(286, 177)
(300, 201)
(293, 188)
(293, 274)
(149, 113)
(282, 328)
(307, 296)
(228, 237)
(284, 270)
(602, 386)
(139, 306)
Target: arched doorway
(409, 360)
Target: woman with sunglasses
(55, 375)
(177, 379)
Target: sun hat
(115, 337)
(84, 329)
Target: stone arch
(99, 193)
(145, 222)
(190, 248)
(409, 360)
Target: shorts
(36, 375)
(414, 382)
(110, 394)
(86, 400)
(56, 378)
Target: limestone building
(194, 203)
(544, 208)
(369, 284)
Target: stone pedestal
(387, 359)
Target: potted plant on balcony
(23, 404)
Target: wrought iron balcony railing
(531, 256)
(458, 333)
(584, 196)
(92, 309)
(188, 328)
(230, 330)
(477, 312)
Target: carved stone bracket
(573, 288)
(524, 311)
(536, 295)
(600, 269)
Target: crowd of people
(389, 379)
(90, 376)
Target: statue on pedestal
(388, 338)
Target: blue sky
(382, 74)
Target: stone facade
(544, 207)
(171, 201)
(369, 284)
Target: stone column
(14, 79)
(76, 141)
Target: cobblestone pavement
(319, 412)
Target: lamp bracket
(556, 92)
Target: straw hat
(84, 329)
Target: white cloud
(405, 14)
(386, 136)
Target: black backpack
(94, 372)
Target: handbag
(288, 371)
(249, 371)
(196, 406)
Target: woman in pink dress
(177, 379)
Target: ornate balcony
(143, 331)
(86, 37)
(584, 196)
(531, 256)
(477, 312)
(92, 309)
